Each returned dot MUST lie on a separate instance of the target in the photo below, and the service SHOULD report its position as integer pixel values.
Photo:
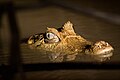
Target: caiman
(64, 41)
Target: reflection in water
(42, 56)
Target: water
(36, 21)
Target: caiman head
(52, 37)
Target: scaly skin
(65, 42)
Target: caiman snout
(102, 49)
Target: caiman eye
(51, 38)
(50, 35)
